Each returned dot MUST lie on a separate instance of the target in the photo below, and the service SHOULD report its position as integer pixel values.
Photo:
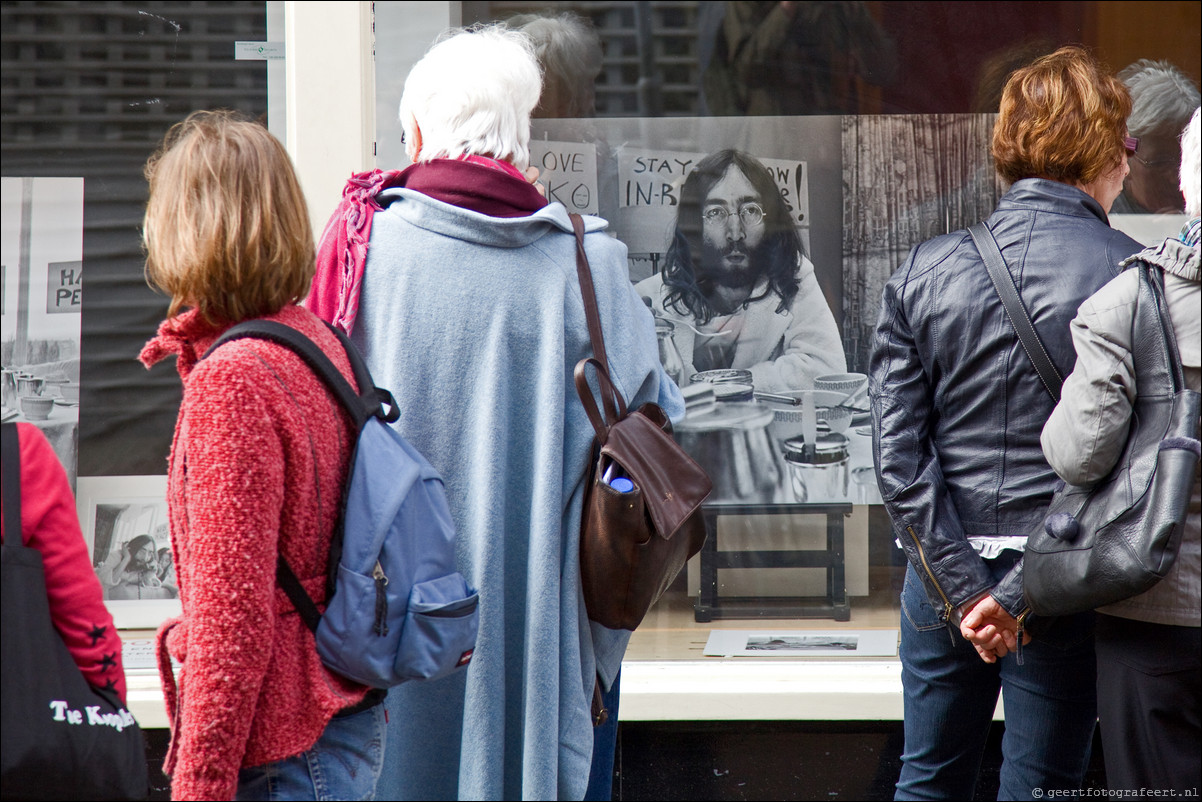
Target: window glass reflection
(869, 123)
(772, 57)
(88, 91)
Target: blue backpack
(398, 610)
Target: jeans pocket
(916, 605)
(346, 761)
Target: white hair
(1161, 94)
(569, 52)
(472, 95)
(1191, 166)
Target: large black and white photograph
(41, 276)
(125, 525)
(733, 232)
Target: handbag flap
(672, 483)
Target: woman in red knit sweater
(260, 454)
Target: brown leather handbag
(635, 534)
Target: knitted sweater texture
(258, 460)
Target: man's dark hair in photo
(690, 278)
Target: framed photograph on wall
(41, 305)
(124, 522)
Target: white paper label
(258, 51)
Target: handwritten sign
(649, 183)
(64, 288)
(652, 178)
(568, 170)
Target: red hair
(1062, 117)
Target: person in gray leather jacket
(957, 411)
(1149, 686)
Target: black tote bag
(61, 738)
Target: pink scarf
(480, 184)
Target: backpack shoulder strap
(362, 405)
(379, 401)
(10, 455)
(360, 408)
(301, 600)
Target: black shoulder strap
(378, 400)
(10, 463)
(302, 601)
(1003, 282)
(1153, 276)
(361, 406)
(307, 350)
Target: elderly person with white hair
(1149, 685)
(467, 307)
(569, 52)
(1162, 100)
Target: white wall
(330, 85)
(338, 119)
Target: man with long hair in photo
(736, 282)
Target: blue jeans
(950, 695)
(344, 764)
(605, 741)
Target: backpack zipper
(381, 624)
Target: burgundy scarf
(488, 186)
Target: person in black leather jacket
(957, 412)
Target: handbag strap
(1007, 290)
(10, 463)
(1154, 277)
(589, 402)
(610, 398)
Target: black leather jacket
(957, 406)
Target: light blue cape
(475, 324)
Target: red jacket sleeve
(50, 524)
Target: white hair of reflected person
(1161, 95)
(1191, 166)
(472, 94)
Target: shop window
(871, 121)
(89, 89)
(873, 144)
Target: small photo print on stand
(802, 643)
(124, 521)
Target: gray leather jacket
(957, 405)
